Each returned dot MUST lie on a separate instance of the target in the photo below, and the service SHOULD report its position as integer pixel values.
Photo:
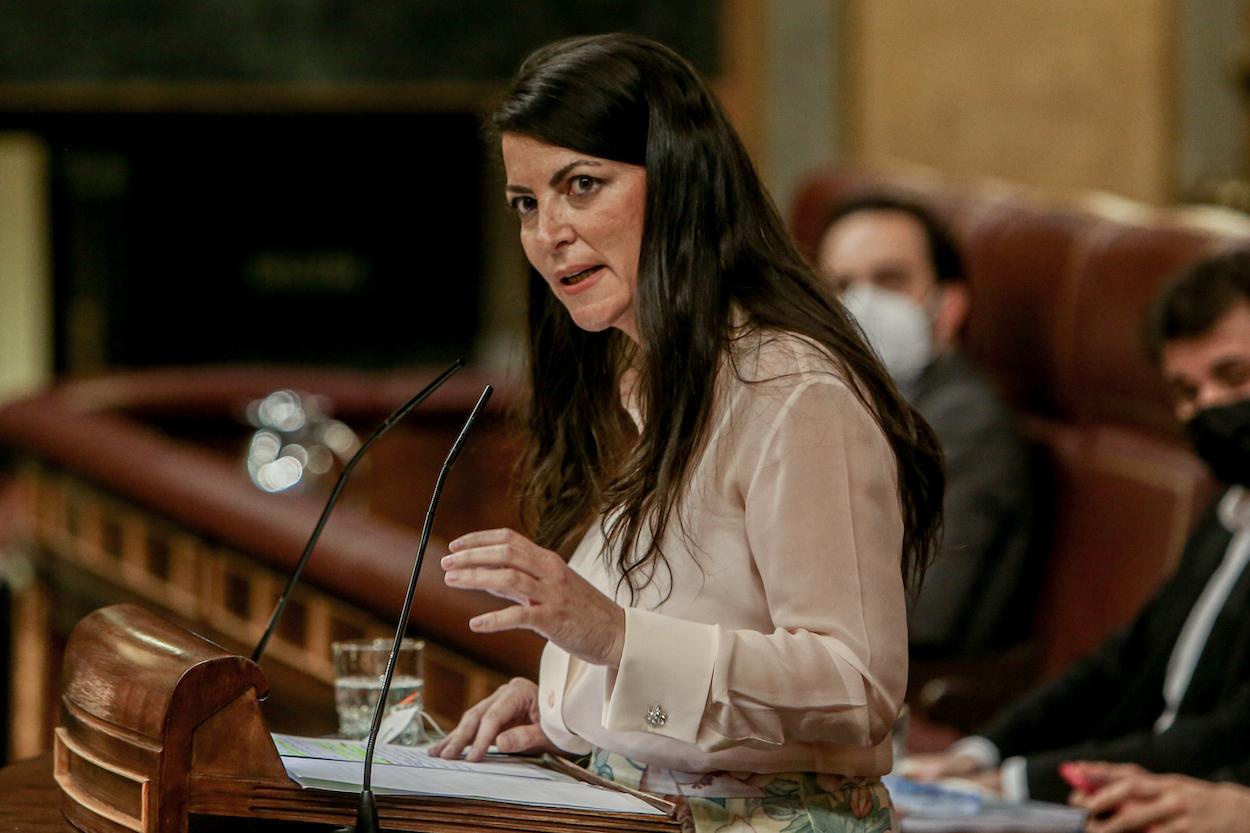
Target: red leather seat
(1058, 295)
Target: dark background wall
(296, 181)
(320, 40)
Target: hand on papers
(945, 766)
(939, 765)
(508, 719)
(1135, 800)
(551, 598)
(335, 765)
(989, 780)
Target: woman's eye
(522, 205)
(583, 184)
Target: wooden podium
(159, 724)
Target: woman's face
(581, 227)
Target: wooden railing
(111, 509)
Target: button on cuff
(665, 676)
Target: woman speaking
(725, 495)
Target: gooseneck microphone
(367, 812)
(291, 581)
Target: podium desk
(30, 802)
(29, 799)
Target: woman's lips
(579, 279)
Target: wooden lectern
(159, 724)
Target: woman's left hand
(550, 597)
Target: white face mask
(898, 329)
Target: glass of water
(360, 670)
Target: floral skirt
(781, 802)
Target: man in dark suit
(1170, 692)
(900, 272)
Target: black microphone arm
(367, 812)
(293, 579)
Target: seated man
(976, 595)
(1170, 692)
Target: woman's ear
(954, 302)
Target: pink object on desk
(1078, 780)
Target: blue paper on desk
(945, 807)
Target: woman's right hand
(508, 718)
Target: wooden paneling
(25, 272)
(1062, 94)
(127, 553)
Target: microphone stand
(367, 812)
(395, 417)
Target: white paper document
(337, 765)
(338, 749)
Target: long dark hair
(712, 242)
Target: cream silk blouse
(782, 645)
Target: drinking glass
(359, 671)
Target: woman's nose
(554, 228)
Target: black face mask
(1221, 436)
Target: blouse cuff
(665, 674)
(1014, 779)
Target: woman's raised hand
(550, 597)
(508, 719)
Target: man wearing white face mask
(898, 329)
(901, 275)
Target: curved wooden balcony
(133, 487)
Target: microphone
(367, 812)
(398, 414)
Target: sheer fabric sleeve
(818, 488)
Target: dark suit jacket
(1104, 706)
(976, 596)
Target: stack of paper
(337, 765)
